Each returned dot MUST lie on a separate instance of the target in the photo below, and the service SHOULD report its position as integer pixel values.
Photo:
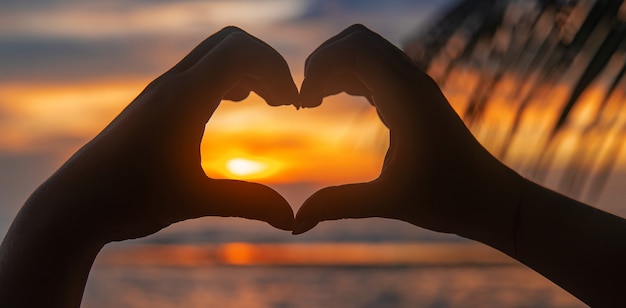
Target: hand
(143, 173)
(435, 174)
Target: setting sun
(245, 167)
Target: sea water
(311, 286)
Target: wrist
(56, 212)
(51, 259)
(494, 210)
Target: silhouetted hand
(143, 173)
(435, 174)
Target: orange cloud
(35, 112)
(340, 141)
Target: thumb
(338, 202)
(233, 198)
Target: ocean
(226, 262)
(312, 286)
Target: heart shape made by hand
(149, 161)
(433, 163)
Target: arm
(437, 176)
(575, 245)
(143, 173)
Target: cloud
(3, 113)
(44, 117)
(115, 19)
(392, 19)
(55, 60)
(74, 40)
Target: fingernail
(303, 226)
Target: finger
(378, 65)
(341, 56)
(240, 56)
(338, 83)
(197, 53)
(237, 94)
(203, 48)
(407, 100)
(245, 86)
(359, 28)
(346, 82)
(232, 198)
(391, 49)
(322, 72)
(349, 30)
(339, 202)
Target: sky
(67, 68)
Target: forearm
(580, 248)
(490, 205)
(44, 264)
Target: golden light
(342, 141)
(306, 254)
(245, 167)
(34, 113)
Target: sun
(239, 166)
(245, 167)
(249, 168)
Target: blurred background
(539, 83)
